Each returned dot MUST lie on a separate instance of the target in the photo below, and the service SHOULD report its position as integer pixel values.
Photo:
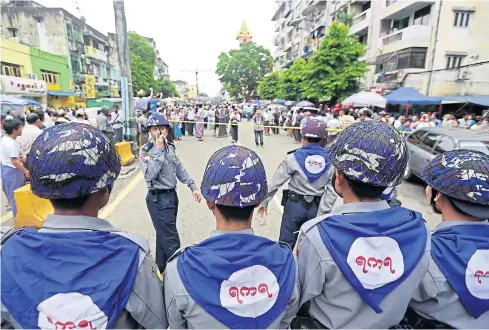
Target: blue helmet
(157, 119)
(70, 161)
(235, 176)
(462, 175)
(314, 128)
(370, 152)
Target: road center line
(121, 197)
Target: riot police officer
(310, 192)
(161, 168)
(234, 279)
(77, 270)
(455, 291)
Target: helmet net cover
(72, 160)
(461, 174)
(235, 176)
(370, 152)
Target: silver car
(426, 143)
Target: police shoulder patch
(145, 158)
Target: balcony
(95, 53)
(278, 12)
(412, 36)
(398, 9)
(360, 22)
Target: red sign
(377, 89)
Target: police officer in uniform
(310, 191)
(455, 292)
(360, 264)
(234, 279)
(78, 271)
(161, 169)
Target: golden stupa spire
(244, 35)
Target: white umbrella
(366, 99)
(14, 101)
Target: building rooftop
(244, 32)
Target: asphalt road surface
(127, 208)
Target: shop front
(58, 99)
(28, 88)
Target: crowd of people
(361, 264)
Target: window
(445, 144)
(418, 60)
(50, 77)
(461, 18)
(454, 61)
(422, 16)
(12, 33)
(429, 141)
(401, 24)
(416, 137)
(11, 70)
(403, 61)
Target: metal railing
(392, 38)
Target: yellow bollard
(124, 151)
(31, 210)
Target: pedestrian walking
(234, 279)
(234, 121)
(116, 120)
(13, 171)
(142, 129)
(104, 124)
(222, 122)
(258, 122)
(190, 120)
(297, 131)
(176, 126)
(266, 119)
(77, 270)
(212, 118)
(162, 168)
(276, 121)
(199, 127)
(310, 187)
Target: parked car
(426, 143)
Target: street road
(127, 208)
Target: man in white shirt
(333, 123)
(80, 117)
(117, 119)
(13, 172)
(29, 134)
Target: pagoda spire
(244, 34)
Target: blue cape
(375, 251)
(459, 253)
(312, 161)
(243, 281)
(37, 267)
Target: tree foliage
(143, 57)
(241, 69)
(292, 80)
(335, 69)
(269, 86)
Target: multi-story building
(182, 88)
(92, 55)
(161, 68)
(427, 44)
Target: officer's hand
(160, 141)
(197, 196)
(262, 211)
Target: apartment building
(429, 44)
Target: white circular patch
(477, 274)
(69, 311)
(250, 292)
(376, 261)
(315, 164)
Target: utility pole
(130, 130)
(197, 71)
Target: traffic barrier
(31, 210)
(124, 151)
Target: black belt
(295, 197)
(162, 191)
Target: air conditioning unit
(463, 75)
(32, 76)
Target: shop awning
(409, 95)
(475, 99)
(31, 102)
(57, 93)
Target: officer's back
(360, 265)
(234, 279)
(77, 271)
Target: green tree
(241, 69)
(291, 87)
(168, 88)
(335, 70)
(269, 86)
(143, 57)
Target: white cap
(80, 112)
(61, 112)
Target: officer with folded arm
(162, 168)
(310, 192)
(234, 279)
(77, 270)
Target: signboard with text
(22, 86)
(90, 86)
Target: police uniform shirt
(333, 301)
(436, 299)
(184, 313)
(299, 183)
(145, 306)
(161, 168)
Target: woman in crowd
(234, 120)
